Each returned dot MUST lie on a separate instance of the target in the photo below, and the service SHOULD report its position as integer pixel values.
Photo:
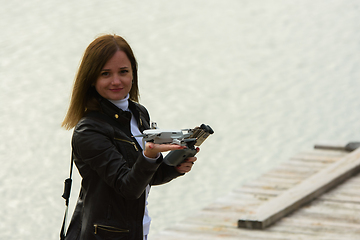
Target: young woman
(116, 172)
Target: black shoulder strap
(66, 196)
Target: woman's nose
(116, 80)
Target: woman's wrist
(152, 160)
(149, 152)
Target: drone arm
(143, 143)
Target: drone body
(179, 137)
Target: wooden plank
(347, 193)
(200, 232)
(320, 155)
(213, 230)
(302, 171)
(248, 197)
(323, 152)
(318, 218)
(301, 194)
(328, 205)
(351, 146)
(331, 145)
(282, 186)
(258, 191)
(277, 179)
(341, 196)
(317, 158)
(316, 227)
(309, 164)
(286, 174)
(233, 207)
(329, 213)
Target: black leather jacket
(114, 175)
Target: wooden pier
(313, 195)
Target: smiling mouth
(116, 89)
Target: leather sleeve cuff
(153, 160)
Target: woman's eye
(105, 74)
(124, 71)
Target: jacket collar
(113, 111)
(124, 117)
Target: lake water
(271, 77)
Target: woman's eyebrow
(105, 69)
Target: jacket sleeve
(165, 174)
(95, 151)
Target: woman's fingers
(152, 149)
(191, 160)
(186, 166)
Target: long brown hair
(96, 55)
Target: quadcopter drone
(179, 137)
(185, 137)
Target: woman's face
(115, 79)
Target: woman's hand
(186, 166)
(152, 150)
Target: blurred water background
(272, 77)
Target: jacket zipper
(109, 229)
(140, 121)
(132, 143)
